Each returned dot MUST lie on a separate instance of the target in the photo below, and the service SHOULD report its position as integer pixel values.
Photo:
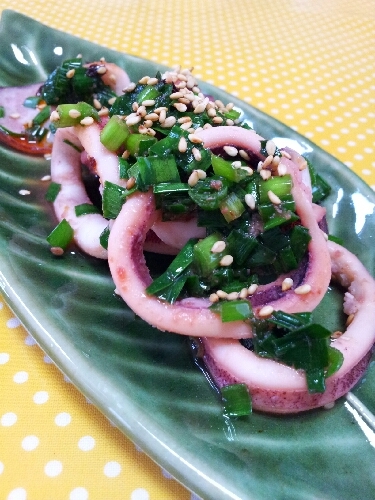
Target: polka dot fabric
(310, 65)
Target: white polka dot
(47, 359)
(8, 419)
(63, 419)
(17, 494)
(29, 340)
(29, 443)
(40, 397)
(1, 305)
(20, 377)
(79, 494)
(166, 474)
(1, 467)
(86, 443)
(4, 358)
(13, 323)
(112, 469)
(139, 494)
(53, 468)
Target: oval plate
(145, 380)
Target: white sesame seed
(103, 112)
(193, 178)
(244, 155)
(211, 112)
(176, 95)
(302, 165)
(148, 123)
(218, 247)
(125, 154)
(201, 173)
(195, 139)
(144, 80)
(47, 156)
(252, 289)
(201, 106)
(152, 81)
(265, 311)
(267, 161)
(231, 150)
(142, 129)
(24, 192)
(135, 106)
(97, 104)
(250, 201)
(214, 297)
(217, 120)
(180, 107)
(275, 161)
(130, 87)
(70, 73)
(286, 284)
(197, 154)
(243, 293)
(54, 116)
(148, 102)
(259, 166)
(169, 122)
(270, 148)
(349, 319)
(281, 169)
(130, 183)
(249, 170)
(45, 178)
(236, 164)
(133, 119)
(286, 155)
(14, 116)
(219, 103)
(162, 116)
(265, 174)
(182, 145)
(273, 198)
(102, 70)
(74, 113)
(229, 122)
(232, 296)
(226, 261)
(151, 131)
(154, 117)
(88, 120)
(160, 109)
(141, 111)
(221, 294)
(184, 119)
(303, 289)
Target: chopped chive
(112, 200)
(85, 209)
(42, 116)
(62, 235)
(32, 101)
(72, 114)
(123, 166)
(103, 238)
(2, 112)
(52, 191)
(236, 400)
(336, 239)
(114, 133)
(233, 310)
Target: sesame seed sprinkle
(226, 261)
(182, 145)
(54, 116)
(273, 198)
(231, 150)
(218, 246)
(197, 154)
(193, 178)
(250, 201)
(252, 289)
(270, 148)
(88, 120)
(232, 296)
(70, 73)
(58, 251)
(265, 311)
(286, 284)
(221, 294)
(24, 192)
(74, 113)
(303, 289)
(14, 116)
(195, 139)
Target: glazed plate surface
(145, 381)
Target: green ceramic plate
(144, 380)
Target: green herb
(85, 209)
(114, 133)
(103, 238)
(52, 191)
(236, 400)
(62, 235)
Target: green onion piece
(154, 170)
(149, 92)
(299, 240)
(336, 239)
(42, 116)
(32, 101)
(67, 113)
(236, 400)
(233, 310)
(183, 259)
(280, 186)
(103, 238)
(210, 192)
(240, 245)
(171, 293)
(114, 133)
(232, 114)
(112, 199)
(52, 191)
(320, 188)
(171, 187)
(232, 207)
(123, 168)
(225, 169)
(85, 209)
(62, 235)
(2, 112)
(139, 144)
(205, 261)
(336, 359)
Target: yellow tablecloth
(310, 64)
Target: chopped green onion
(72, 114)
(52, 191)
(42, 116)
(335, 239)
(232, 207)
(225, 169)
(62, 235)
(139, 144)
(236, 400)
(210, 192)
(233, 310)
(2, 112)
(85, 209)
(123, 168)
(112, 200)
(205, 261)
(114, 133)
(103, 238)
